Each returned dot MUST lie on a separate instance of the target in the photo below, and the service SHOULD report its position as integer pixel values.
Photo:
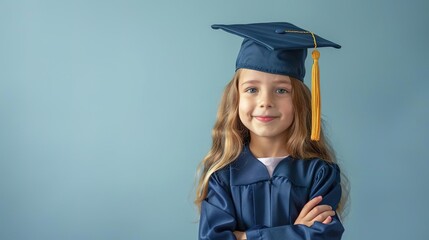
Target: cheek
(291, 111)
(244, 109)
(291, 116)
(241, 108)
(288, 110)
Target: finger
(327, 220)
(309, 206)
(237, 235)
(321, 217)
(316, 211)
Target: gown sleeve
(326, 184)
(217, 220)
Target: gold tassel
(315, 89)
(315, 97)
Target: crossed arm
(310, 213)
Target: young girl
(266, 176)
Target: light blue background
(106, 108)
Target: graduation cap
(281, 48)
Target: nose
(266, 100)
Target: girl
(266, 176)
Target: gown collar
(247, 169)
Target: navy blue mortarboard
(281, 48)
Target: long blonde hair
(229, 135)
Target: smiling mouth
(265, 118)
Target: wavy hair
(229, 135)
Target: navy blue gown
(243, 197)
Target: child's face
(265, 106)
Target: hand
(311, 213)
(240, 235)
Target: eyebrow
(286, 81)
(250, 81)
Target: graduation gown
(243, 197)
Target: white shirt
(271, 163)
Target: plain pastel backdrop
(106, 108)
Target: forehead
(249, 75)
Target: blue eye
(282, 91)
(251, 90)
